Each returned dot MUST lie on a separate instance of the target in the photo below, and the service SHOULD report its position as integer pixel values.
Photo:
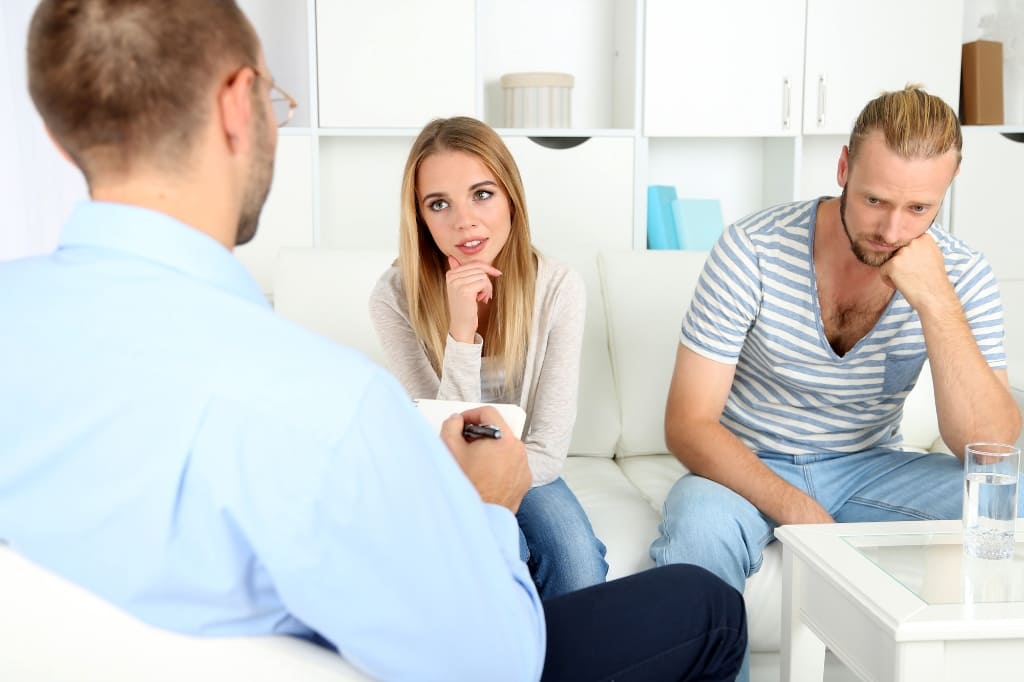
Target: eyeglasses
(284, 105)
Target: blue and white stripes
(756, 306)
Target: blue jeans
(707, 524)
(557, 542)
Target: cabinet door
(723, 68)
(855, 50)
(360, 186)
(395, 63)
(282, 28)
(579, 198)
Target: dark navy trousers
(675, 622)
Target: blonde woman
(471, 311)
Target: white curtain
(38, 187)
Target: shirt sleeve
(556, 390)
(726, 300)
(979, 295)
(384, 548)
(460, 370)
(406, 357)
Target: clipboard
(436, 411)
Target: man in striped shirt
(807, 330)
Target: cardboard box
(981, 83)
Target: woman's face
(464, 206)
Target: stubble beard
(875, 260)
(258, 185)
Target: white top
(550, 382)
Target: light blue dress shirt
(171, 444)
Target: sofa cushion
(654, 476)
(920, 425)
(328, 291)
(1012, 293)
(645, 294)
(597, 412)
(621, 517)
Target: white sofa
(618, 466)
(53, 631)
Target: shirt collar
(149, 235)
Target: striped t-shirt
(756, 306)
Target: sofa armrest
(52, 629)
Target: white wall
(37, 186)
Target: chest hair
(847, 318)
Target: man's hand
(803, 508)
(497, 468)
(918, 271)
(467, 286)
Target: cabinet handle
(821, 101)
(787, 92)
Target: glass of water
(990, 499)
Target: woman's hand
(468, 285)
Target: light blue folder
(661, 228)
(698, 223)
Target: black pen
(474, 431)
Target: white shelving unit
(717, 98)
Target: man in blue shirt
(169, 443)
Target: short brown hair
(116, 81)
(916, 125)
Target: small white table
(899, 601)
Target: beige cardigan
(550, 377)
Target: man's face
(889, 201)
(264, 132)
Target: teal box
(661, 227)
(698, 223)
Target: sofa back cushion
(328, 291)
(597, 414)
(645, 294)
(1012, 293)
(920, 425)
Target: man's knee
(698, 509)
(711, 526)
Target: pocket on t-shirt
(901, 372)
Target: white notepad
(436, 411)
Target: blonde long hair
(423, 266)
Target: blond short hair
(915, 124)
